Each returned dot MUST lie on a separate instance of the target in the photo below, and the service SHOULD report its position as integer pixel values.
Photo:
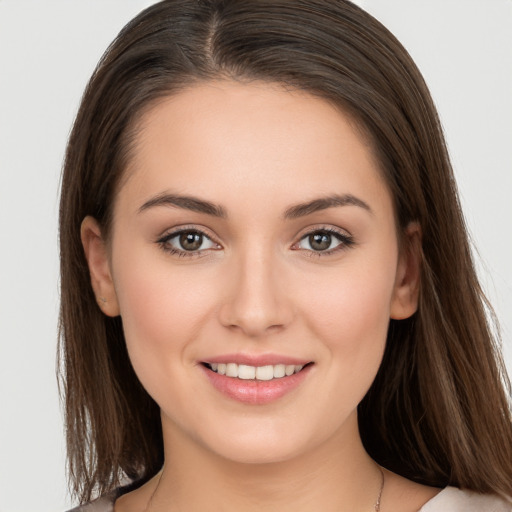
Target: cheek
(350, 310)
(162, 310)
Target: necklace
(377, 503)
(376, 507)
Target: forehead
(257, 140)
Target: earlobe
(407, 284)
(96, 255)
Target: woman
(284, 312)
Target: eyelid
(163, 240)
(345, 238)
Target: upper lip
(257, 360)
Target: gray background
(48, 50)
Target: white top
(449, 499)
(452, 499)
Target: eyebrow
(186, 202)
(293, 212)
(322, 203)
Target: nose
(257, 301)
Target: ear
(99, 266)
(407, 284)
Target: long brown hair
(438, 411)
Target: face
(253, 236)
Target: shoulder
(103, 504)
(451, 499)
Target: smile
(256, 384)
(246, 372)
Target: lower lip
(256, 392)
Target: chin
(256, 453)
(263, 442)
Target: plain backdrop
(48, 50)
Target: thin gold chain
(377, 503)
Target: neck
(336, 476)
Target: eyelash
(346, 241)
(163, 242)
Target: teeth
(231, 370)
(264, 372)
(246, 372)
(279, 371)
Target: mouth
(256, 379)
(258, 373)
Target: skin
(256, 286)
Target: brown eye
(320, 241)
(191, 240)
(324, 241)
(187, 242)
